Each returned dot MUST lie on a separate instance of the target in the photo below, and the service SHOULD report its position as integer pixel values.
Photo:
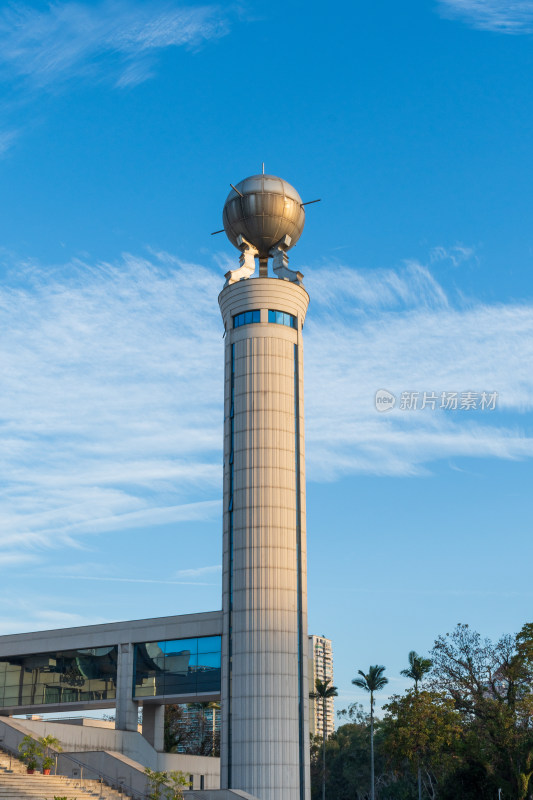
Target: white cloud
(199, 571)
(64, 523)
(456, 255)
(80, 40)
(158, 581)
(429, 347)
(111, 402)
(342, 288)
(502, 16)
(36, 613)
(110, 409)
(9, 559)
(6, 141)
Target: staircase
(16, 784)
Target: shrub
(30, 751)
(166, 785)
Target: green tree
(322, 692)
(417, 669)
(348, 763)
(176, 731)
(373, 681)
(423, 728)
(490, 685)
(524, 646)
(186, 730)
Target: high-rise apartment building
(320, 667)
(199, 729)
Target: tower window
(246, 318)
(282, 318)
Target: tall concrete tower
(265, 740)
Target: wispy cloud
(455, 255)
(38, 612)
(341, 288)
(199, 571)
(502, 16)
(427, 345)
(7, 138)
(157, 581)
(10, 559)
(111, 402)
(72, 40)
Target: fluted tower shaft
(265, 740)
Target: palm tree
(323, 690)
(372, 682)
(418, 667)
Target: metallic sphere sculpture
(263, 209)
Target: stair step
(17, 784)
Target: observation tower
(265, 739)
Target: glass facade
(178, 666)
(69, 676)
(282, 318)
(246, 318)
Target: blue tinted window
(178, 645)
(209, 644)
(68, 676)
(246, 318)
(174, 667)
(208, 661)
(282, 318)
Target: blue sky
(122, 125)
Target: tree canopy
(466, 726)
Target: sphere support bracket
(280, 262)
(246, 262)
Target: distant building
(321, 667)
(201, 729)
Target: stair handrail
(102, 777)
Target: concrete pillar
(126, 708)
(154, 725)
(264, 736)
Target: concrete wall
(120, 756)
(139, 630)
(117, 770)
(126, 772)
(77, 739)
(192, 765)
